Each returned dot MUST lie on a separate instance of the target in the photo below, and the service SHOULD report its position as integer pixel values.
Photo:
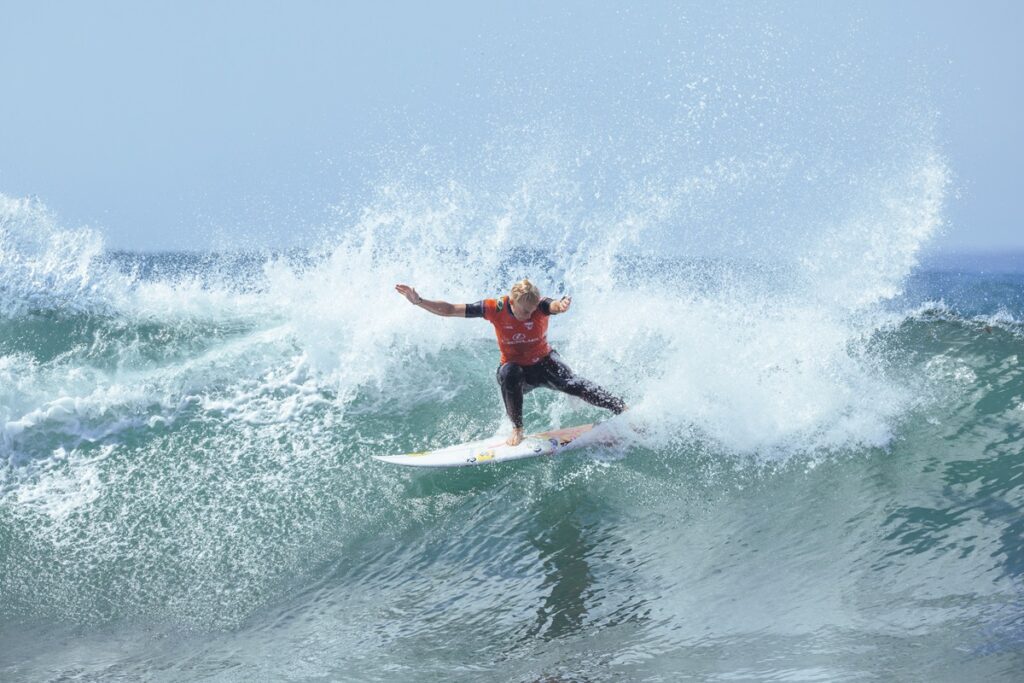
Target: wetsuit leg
(553, 373)
(512, 380)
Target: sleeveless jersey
(522, 343)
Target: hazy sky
(192, 124)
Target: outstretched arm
(442, 308)
(560, 306)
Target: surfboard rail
(491, 450)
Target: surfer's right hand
(409, 293)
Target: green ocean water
(187, 493)
(821, 474)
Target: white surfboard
(492, 450)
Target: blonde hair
(525, 291)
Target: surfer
(520, 321)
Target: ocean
(821, 476)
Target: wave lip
(44, 267)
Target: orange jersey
(522, 343)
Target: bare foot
(516, 438)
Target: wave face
(828, 471)
(827, 483)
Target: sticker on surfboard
(492, 450)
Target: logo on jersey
(518, 337)
(528, 324)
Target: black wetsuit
(551, 372)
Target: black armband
(545, 306)
(475, 310)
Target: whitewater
(820, 476)
(828, 473)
